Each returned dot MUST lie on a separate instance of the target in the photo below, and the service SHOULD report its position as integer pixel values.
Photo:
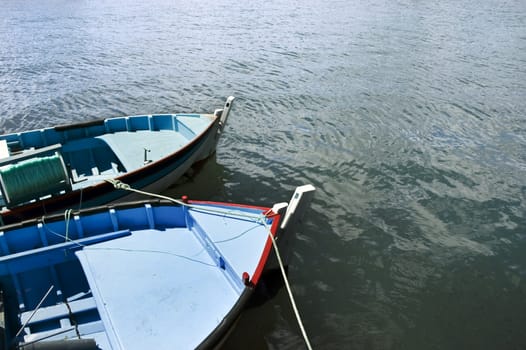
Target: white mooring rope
(289, 290)
(120, 185)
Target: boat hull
(155, 176)
(146, 274)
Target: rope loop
(118, 184)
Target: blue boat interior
(74, 157)
(148, 276)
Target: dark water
(408, 116)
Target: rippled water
(408, 117)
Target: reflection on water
(204, 181)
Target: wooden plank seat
(36, 152)
(52, 254)
(66, 331)
(58, 311)
(4, 149)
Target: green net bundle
(32, 178)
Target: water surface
(408, 117)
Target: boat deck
(135, 149)
(176, 288)
(173, 279)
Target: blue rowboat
(139, 275)
(47, 170)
